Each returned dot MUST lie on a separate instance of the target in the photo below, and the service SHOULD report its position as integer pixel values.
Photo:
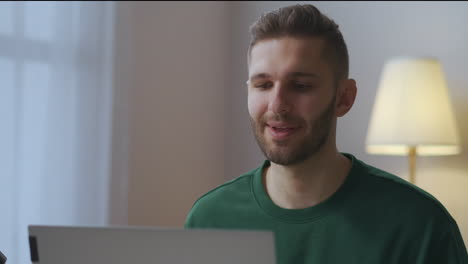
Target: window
(55, 114)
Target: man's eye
(263, 85)
(302, 86)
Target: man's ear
(345, 96)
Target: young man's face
(291, 98)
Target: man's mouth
(281, 131)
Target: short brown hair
(304, 21)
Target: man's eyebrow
(290, 75)
(302, 74)
(259, 76)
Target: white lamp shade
(412, 108)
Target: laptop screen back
(124, 245)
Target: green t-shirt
(374, 217)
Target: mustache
(280, 117)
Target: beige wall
(175, 106)
(188, 126)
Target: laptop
(147, 245)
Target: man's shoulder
(396, 194)
(405, 206)
(234, 187)
(221, 199)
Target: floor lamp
(412, 113)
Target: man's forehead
(299, 54)
(306, 45)
(291, 59)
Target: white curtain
(55, 117)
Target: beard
(289, 152)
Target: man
(322, 205)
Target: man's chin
(284, 160)
(290, 145)
(282, 156)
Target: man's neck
(308, 183)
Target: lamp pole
(412, 164)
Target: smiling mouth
(281, 132)
(283, 129)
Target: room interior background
(160, 114)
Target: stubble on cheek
(274, 150)
(312, 137)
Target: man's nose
(280, 99)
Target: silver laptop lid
(125, 245)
